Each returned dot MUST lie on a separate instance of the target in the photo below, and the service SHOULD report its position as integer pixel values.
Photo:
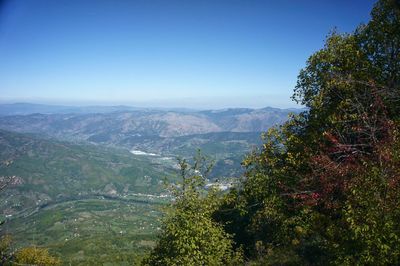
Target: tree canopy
(325, 187)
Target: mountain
(226, 135)
(116, 126)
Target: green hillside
(78, 199)
(90, 231)
(52, 170)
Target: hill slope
(49, 171)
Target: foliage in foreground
(25, 256)
(325, 187)
(5, 250)
(35, 256)
(189, 234)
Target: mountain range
(85, 175)
(126, 126)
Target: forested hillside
(325, 188)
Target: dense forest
(324, 187)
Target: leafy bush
(189, 235)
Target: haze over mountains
(23, 108)
(31, 108)
(162, 122)
(53, 145)
(151, 130)
(54, 142)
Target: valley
(80, 231)
(83, 181)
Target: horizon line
(85, 104)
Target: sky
(166, 53)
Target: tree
(35, 256)
(324, 188)
(189, 235)
(5, 250)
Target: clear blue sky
(210, 54)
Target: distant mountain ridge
(25, 108)
(85, 122)
(226, 135)
(32, 108)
